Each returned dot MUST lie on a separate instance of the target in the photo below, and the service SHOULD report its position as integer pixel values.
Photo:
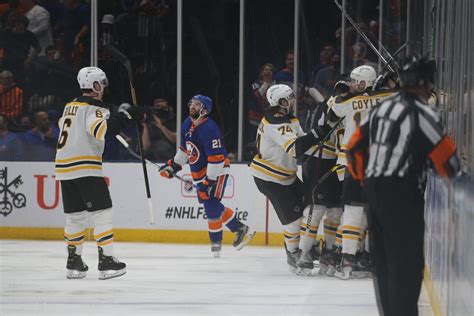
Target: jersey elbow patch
(441, 156)
(289, 147)
(98, 129)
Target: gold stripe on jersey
(101, 132)
(294, 120)
(94, 126)
(78, 163)
(271, 170)
(289, 147)
(79, 158)
(265, 121)
(262, 170)
(72, 169)
(365, 97)
(74, 103)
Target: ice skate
(291, 258)
(364, 262)
(304, 265)
(76, 268)
(109, 266)
(315, 252)
(216, 248)
(349, 269)
(330, 259)
(243, 236)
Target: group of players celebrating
(327, 191)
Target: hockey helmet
(364, 73)
(88, 77)
(278, 92)
(417, 71)
(205, 101)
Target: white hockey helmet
(89, 77)
(277, 92)
(364, 73)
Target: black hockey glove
(132, 113)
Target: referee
(392, 151)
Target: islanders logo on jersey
(193, 152)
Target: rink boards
(31, 206)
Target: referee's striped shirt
(398, 136)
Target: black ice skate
(76, 268)
(330, 259)
(243, 236)
(109, 266)
(315, 252)
(291, 258)
(349, 269)
(216, 248)
(304, 265)
(364, 262)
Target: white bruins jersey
(355, 109)
(81, 139)
(276, 158)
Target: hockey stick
(367, 40)
(187, 182)
(318, 183)
(121, 58)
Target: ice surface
(168, 279)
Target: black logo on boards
(9, 198)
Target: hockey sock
(215, 229)
(214, 210)
(103, 230)
(351, 226)
(338, 242)
(292, 235)
(363, 232)
(331, 223)
(230, 220)
(309, 226)
(74, 232)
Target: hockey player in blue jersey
(203, 148)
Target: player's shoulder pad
(346, 98)
(210, 125)
(186, 124)
(383, 93)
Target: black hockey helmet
(416, 71)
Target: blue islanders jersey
(205, 150)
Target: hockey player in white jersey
(323, 192)
(84, 125)
(280, 140)
(354, 110)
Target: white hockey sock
(331, 223)
(363, 233)
(74, 232)
(309, 226)
(292, 235)
(103, 230)
(351, 226)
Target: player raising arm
(203, 148)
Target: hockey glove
(206, 189)
(132, 113)
(169, 169)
